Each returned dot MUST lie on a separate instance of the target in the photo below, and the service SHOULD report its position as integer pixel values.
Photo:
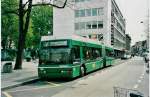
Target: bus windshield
(55, 55)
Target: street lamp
(147, 26)
(147, 34)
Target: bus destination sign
(54, 43)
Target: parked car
(126, 56)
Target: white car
(126, 56)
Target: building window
(94, 25)
(82, 13)
(77, 13)
(100, 24)
(82, 0)
(77, 0)
(88, 25)
(94, 12)
(76, 26)
(82, 25)
(88, 12)
(100, 11)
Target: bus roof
(73, 37)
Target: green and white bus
(72, 57)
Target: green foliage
(42, 22)
(9, 22)
(29, 37)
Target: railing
(123, 92)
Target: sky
(134, 12)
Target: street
(130, 74)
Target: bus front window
(55, 55)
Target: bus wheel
(82, 71)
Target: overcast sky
(134, 12)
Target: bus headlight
(41, 69)
(44, 72)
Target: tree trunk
(18, 64)
(23, 28)
(22, 32)
(10, 43)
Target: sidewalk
(119, 61)
(28, 73)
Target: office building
(96, 19)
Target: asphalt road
(130, 75)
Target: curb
(20, 84)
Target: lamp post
(147, 26)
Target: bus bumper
(48, 72)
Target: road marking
(42, 87)
(139, 81)
(54, 84)
(136, 86)
(6, 94)
(142, 77)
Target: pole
(147, 25)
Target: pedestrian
(33, 54)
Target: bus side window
(96, 53)
(100, 52)
(75, 54)
(87, 53)
(109, 53)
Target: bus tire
(82, 71)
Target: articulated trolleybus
(72, 57)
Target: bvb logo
(94, 65)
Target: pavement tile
(18, 77)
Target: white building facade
(97, 19)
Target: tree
(24, 12)
(42, 20)
(9, 23)
(30, 36)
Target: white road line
(42, 87)
(141, 77)
(6, 94)
(54, 84)
(136, 86)
(28, 89)
(139, 81)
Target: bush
(7, 54)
